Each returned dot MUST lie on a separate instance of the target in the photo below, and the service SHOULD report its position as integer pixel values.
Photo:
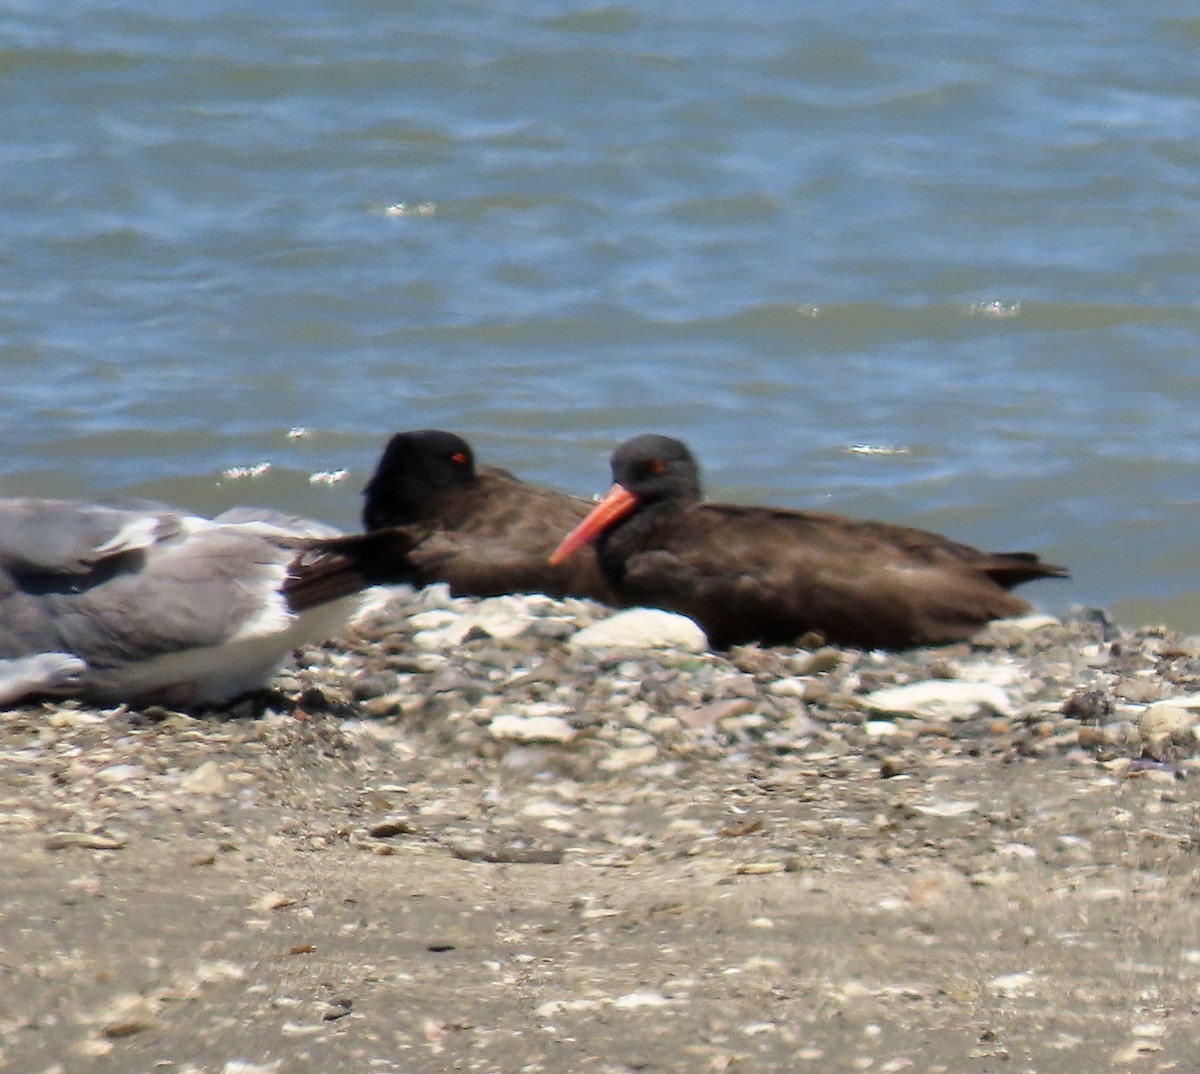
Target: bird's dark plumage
(773, 575)
(482, 530)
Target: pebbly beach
(533, 834)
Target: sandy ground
(278, 894)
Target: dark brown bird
(772, 575)
(483, 531)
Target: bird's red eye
(657, 467)
(459, 458)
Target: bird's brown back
(772, 575)
(495, 534)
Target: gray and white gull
(143, 603)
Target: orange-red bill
(617, 503)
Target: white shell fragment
(514, 728)
(642, 628)
(939, 698)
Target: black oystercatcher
(484, 532)
(143, 603)
(772, 575)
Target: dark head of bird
(415, 467)
(655, 468)
(647, 470)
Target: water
(776, 229)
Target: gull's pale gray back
(69, 537)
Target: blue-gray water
(776, 229)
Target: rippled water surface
(779, 230)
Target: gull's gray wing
(40, 536)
